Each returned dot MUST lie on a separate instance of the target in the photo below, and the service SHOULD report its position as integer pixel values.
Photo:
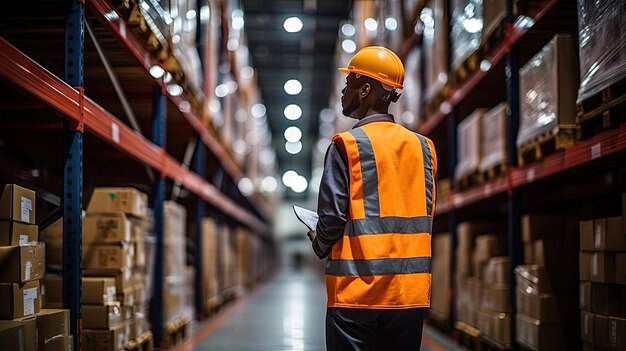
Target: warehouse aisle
(285, 314)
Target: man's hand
(311, 234)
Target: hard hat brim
(384, 81)
(344, 70)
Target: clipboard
(308, 217)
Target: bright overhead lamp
(292, 112)
(246, 186)
(348, 45)
(371, 24)
(293, 148)
(157, 71)
(174, 90)
(391, 23)
(293, 24)
(232, 44)
(289, 176)
(258, 110)
(473, 25)
(221, 90)
(205, 13)
(237, 19)
(293, 134)
(293, 87)
(348, 30)
(246, 72)
(191, 14)
(299, 184)
(269, 184)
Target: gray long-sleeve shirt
(334, 195)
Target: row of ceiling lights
(371, 25)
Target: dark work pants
(374, 330)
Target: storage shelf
(74, 106)
(582, 153)
(513, 36)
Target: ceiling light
(485, 65)
(145, 5)
(184, 107)
(191, 14)
(246, 186)
(293, 148)
(473, 25)
(269, 184)
(221, 90)
(167, 78)
(348, 45)
(215, 106)
(258, 110)
(292, 112)
(348, 30)
(157, 71)
(293, 134)
(174, 90)
(299, 184)
(205, 13)
(391, 23)
(238, 21)
(232, 86)
(293, 24)
(371, 24)
(233, 44)
(293, 87)
(289, 176)
(247, 72)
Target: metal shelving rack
(559, 165)
(81, 114)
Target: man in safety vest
(376, 208)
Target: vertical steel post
(73, 171)
(158, 137)
(199, 167)
(514, 221)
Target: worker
(376, 208)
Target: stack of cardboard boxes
(439, 311)
(114, 298)
(23, 324)
(603, 283)
(494, 319)
(209, 261)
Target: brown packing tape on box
(617, 333)
(53, 326)
(16, 233)
(17, 204)
(102, 317)
(19, 300)
(116, 256)
(108, 339)
(601, 330)
(587, 326)
(535, 334)
(128, 200)
(123, 277)
(21, 264)
(98, 290)
(19, 334)
(106, 228)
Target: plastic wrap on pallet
(183, 29)
(547, 89)
(466, 25)
(494, 137)
(157, 19)
(602, 41)
(469, 153)
(435, 44)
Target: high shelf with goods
(574, 172)
(59, 88)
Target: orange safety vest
(384, 257)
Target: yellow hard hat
(379, 63)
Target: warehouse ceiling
(306, 55)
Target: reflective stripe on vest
(391, 193)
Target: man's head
(374, 74)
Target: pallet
(468, 336)
(469, 180)
(176, 332)
(604, 110)
(494, 172)
(144, 342)
(546, 143)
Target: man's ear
(365, 90)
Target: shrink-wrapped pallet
(548, 84)
(602, 42)
(435, 44)
(468, 148)
(494, 137)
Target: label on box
(586, 325)
(110, 293)
(613, 335)
(30, 295)
(594, 266)
(597, 238)
(28, 268)
(23, 239)
(26, 207)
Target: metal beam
(199, 167)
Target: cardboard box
(116, 256)
(110, 200)
(53, 237)
(21, 264)
(123, 277)
(536, 305)
(174, 220)
(585, 266)
(494, 137)
(617, 333)
(17, 204)
(98, 290)
(533, 275)
(605, 298)
(496, 297)
(106, 228)
(105, 340)
(549, 252)
(601, 331)
(607, 235)
(587, 326)
(585, 296)
(535, 334)
(487, 246)
(586, 229)
(603, 267)
(496, 326)
(19, 334)
(103, 316)
(127, 297)
(469, 134)
(19, 300)
(497, 270)
(620, 268)
(16, 233)
(53, 327)
(139, 259)
(529, 253)
(466, 233)
(440, 300)
(542, 226)
(141, 295)
(52, 291)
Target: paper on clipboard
(308, 217)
